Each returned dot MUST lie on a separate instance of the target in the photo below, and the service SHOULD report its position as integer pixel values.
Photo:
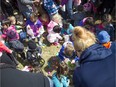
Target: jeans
(27, 14)
(69, 7)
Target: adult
(12, 77)
(25, 6)
(97, 63)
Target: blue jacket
(97, 67)
(68, 31)
(77, 17)
(57, 83)
(62, 55)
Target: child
(56, 20)
(67, 30)
(10, 34)
(89, 24)
(59, 78)
(107, 26)
(104, 39)
(12, 19)
(34, 53)
(67, 53)
(34, 24)
(79, 15)
(9, 31)
(54, 36)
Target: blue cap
(103, 37)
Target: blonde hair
(57, 17)
(12, 18)
(82, 38)
(69, 50)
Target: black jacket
(97, 67)
(11, 77)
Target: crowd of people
(86, 28)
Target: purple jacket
(34, 27)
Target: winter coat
(62, 55)
(68, 31)
(77, 17)
(5, 33)
(57, 83)
(12, 77)
(4, 48)
(53, 37)
(50, 26)
(97, 67)
(36, 27)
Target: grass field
(49, 54)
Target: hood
(95, 52)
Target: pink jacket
(4, 35)
(50, 26)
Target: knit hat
(32, 45)
(103, 37)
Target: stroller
(34, 55)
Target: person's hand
(11, 51)
(66, 60)
(73, 61)
(49, 74)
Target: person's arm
(59, 37)
(56, 81)
(76, 58)
(61, 54)
(4, 36)
(5, 48)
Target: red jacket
(4, 48)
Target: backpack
(11, 34)
(17, 45)
(22, 35)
